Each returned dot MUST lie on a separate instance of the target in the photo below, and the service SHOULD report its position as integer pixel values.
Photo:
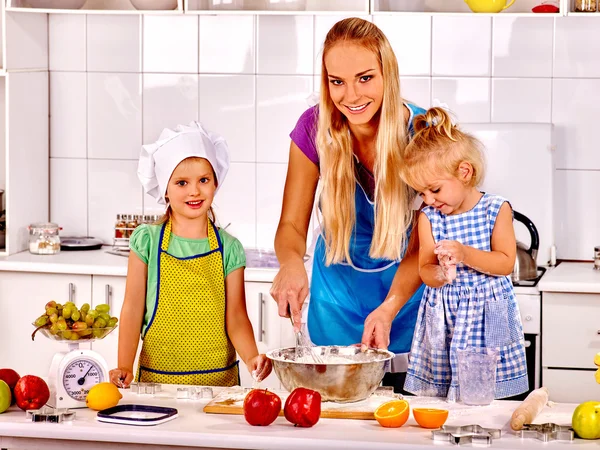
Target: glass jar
(44, 239)
(585, 5)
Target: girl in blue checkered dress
(467, 250)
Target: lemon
(102, 396)
(597, 359)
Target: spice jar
(585, 5)
(44, 239)
(597, 258)
(120, 226)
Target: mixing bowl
(346, 375)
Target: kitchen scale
(74, 372)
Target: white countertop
(193, 427)
(571, 277)
(92, 262)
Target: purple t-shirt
(304, 136)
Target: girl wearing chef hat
(185, 279)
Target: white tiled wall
(116, 81)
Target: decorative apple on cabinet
(31, 392)
(5, 396)
(261, 407)
(303, 407)
(10, 377)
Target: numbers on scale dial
(79, 377)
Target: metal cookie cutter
(466, 434)
(547, 432)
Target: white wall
(117, 80)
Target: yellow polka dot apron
(186, 340)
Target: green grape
(93, 313)
(50, 311)
(105, 316)
(84, 333)
(53, 318)
(61, 323)
(54, 328)
(75, 315)
(67, 312)
(66, 334)
(71, 304)
(89, 320)
(74, 336)
(58, 306)
(51, 304)
(112, 322)
(98, 333)
(99, 323)
(41, 321)
(103, 308)
(85, 308)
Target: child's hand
(260, 367)
(121, 377)
(453, 249)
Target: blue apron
(343, 295)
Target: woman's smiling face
(355, 82)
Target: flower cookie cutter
(466, 434)
(547, 432)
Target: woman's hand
(260, 367)
(290, 287)
(378, 326)
(121, 377)
(453, 249)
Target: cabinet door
(570, 386)
(570, 330)
(23, 296)
(109, 290)
(266, 323)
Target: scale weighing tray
(137, 415)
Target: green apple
(5, 396)
(586, 420)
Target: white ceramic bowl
(154, 4)
(53, 4)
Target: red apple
(261, 407)
(303, 407)
(31, 392)
(10, 377)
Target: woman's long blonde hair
(393, 198)
(439, 147)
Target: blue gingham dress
(475, 310)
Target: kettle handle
(533, 232)
(509, 5)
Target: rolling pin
(529, 409)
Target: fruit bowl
(346, 375)
(88, 335)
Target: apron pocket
(496, 324)
(435, 325)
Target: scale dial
(79, 376)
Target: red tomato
(261, 407)
(303, 407)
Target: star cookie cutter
(466, 434)
(547, 432)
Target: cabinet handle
(71, 292)
(108, 295)
(260, 332)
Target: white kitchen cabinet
(23, 296)
(110, 290)
(276, 6)
(270, 330)
(96, 6)
(570, 340)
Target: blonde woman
(365, 285)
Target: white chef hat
(159, 160)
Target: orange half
(430, 418)
(392, 414)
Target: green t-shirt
(144, 242)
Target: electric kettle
(525, 263)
